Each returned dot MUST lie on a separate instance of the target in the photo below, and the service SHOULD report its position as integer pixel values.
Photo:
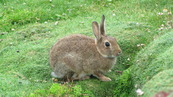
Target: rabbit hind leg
(81, 76)
(61, 71)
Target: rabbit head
(107, 46)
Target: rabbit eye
(107, 44)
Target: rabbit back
(78, 56)
(78, 53)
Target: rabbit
(77, 57)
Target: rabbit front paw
(104, 78)
(101, 77)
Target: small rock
(160, 13)
(110, 71)
(11, 43)
(161, 28)
(140, 45)
(165, 10)
(56, 23)
(12, 29)
(128, 59)
(136, 86)
(169, 13)
(139, 92)
(54, 79)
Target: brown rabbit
(76, 57)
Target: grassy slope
(157, 57)
(160, 82)
(29, 31)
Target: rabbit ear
(96, 31)
(102, 26)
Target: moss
(16, 84)
(124, 84)
(163, 81)
(152, 60)
(62, 90)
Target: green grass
(153, 66)
(149, 59)
(28, 30)
(160, 82)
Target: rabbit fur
(77, 56)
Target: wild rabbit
(76, 57)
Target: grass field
(28, 29)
